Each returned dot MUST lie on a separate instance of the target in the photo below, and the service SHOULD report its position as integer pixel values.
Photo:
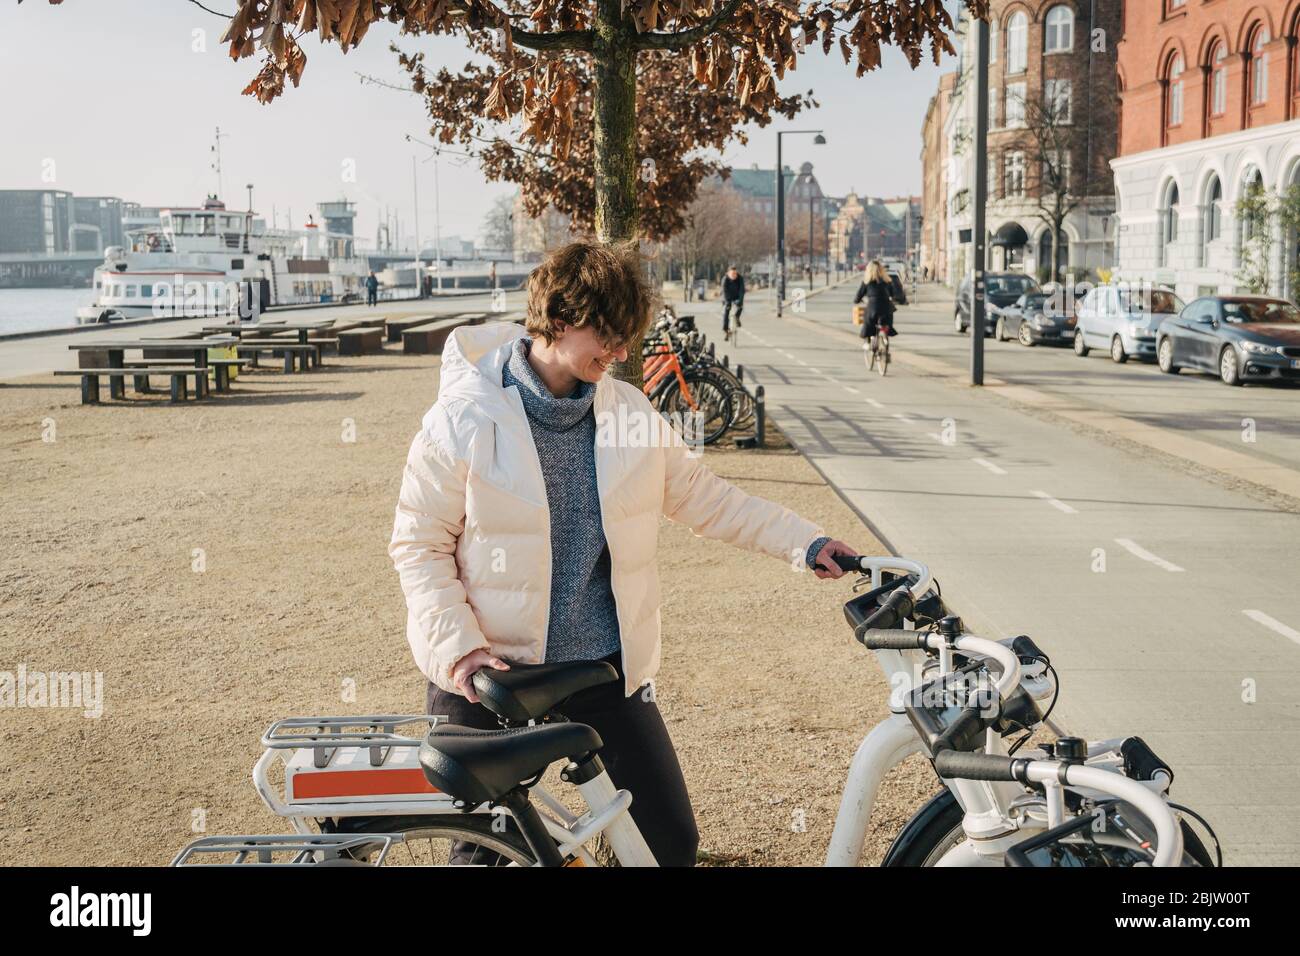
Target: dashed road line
(1135, 549)
(852, 390)
(874, 404)
(1273, 624)
(1055, 503)
(984, 463)
(902, 418)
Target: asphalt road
(1168, 600)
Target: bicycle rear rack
(326, 735)
(272, 850)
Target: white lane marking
(1055, 502)
(816, 371)
(1135, 549)
(785, 353)
(801, 362)
(983, 463)
(935, 437)
(1273, 624)
(874, 404)
(902, 418)
(850, 388)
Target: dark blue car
(1240, 338)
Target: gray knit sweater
(584, 621)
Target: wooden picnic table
(116, 349)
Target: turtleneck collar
(553, 414)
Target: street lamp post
(981, 193)
(819, 140)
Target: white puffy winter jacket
(472, 538)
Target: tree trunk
(614, 141)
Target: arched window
(1175, 98)
(1169, 224)
(1253, 189)
(1259, 67)
(1058, 30)
(1218, 79)
(1018, 43)
(1212, 223)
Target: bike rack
(262, 850)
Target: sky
(123, 98)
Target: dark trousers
(372, 297)
(637, 752)
(726, 312)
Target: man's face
(732, 273)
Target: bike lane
(1167, 602)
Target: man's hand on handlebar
(826, 565)
(462, 674)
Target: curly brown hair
(590, 284)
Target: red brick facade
(1240, 69)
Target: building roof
(760, 183)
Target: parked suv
(1000, 289)
(1123, 320)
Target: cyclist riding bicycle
(733, 293)
(879, 291)
(513, 545)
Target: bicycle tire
(741, 402)
(719, 404)
(475, 828)
(937, 828)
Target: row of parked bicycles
(684, 379)
(1012, 789)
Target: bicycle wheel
(937, 828)
(742, 405)
(713, 412)
(883, 365)
(430, 839)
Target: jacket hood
(472, 359)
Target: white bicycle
(366, 790)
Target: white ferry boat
(206, 260)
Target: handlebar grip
(1140, 761)
(892, 612)
(968, 766)
(1026, 649)
(965, 732)
(893, 639)
(849, 562)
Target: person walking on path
(526, 525)
(733, 293)
(878, 290)
(372, 289)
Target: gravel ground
(225, 564)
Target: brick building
(934, 186)
(1210, 93)
(1053, 119)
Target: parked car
(1239, 338)
(1040, 317)
(1123, 320)
(1000, 289)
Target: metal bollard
(760, 416)
(726, 361)
(740, 373)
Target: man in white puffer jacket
(527, 521)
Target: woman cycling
(878, 289)
(528, 515)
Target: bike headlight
(1256, 348)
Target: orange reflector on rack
(360, 783)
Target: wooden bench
(90, 380)
(429, 339)
(361, 341)
(395, 327)
(305, 353)
(221, 369)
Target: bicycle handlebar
(973, 766)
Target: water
(26, 310)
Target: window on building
(1218, 79)
(1057, 96)
(1014, 174)
(1018, 43)
(1213, 216)
(1058, 30)
(1014, 110)
(1056, 173)
(1175, 80)
(1169, 224)
(1259, 67)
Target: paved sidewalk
(1166, 601)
